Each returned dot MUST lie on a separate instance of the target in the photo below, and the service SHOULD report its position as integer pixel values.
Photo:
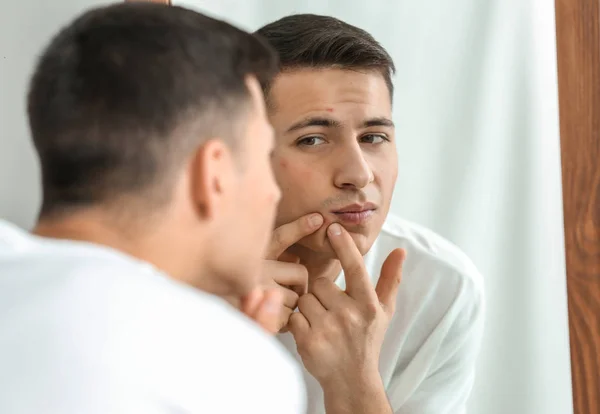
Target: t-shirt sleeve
(449, 380)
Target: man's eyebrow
(315, 121)
(332, 123)
(381, 121)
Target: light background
(477, 115)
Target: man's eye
(310, 141)
(373, 138)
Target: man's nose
(353, 170)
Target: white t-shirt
(428, 357)
(86, 329)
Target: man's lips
(355, 208)
(355, 213)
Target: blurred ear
(213, 177)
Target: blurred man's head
(331, 107)
(152, 120)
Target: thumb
(249, 303)
(389, 280)
(267, 310)
(288, 234)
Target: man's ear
(213, 174)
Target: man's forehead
(311, 91)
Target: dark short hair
(314, 41)
(113, 88)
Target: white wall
(25, 28)
(476, 106)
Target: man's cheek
(294, 204)
(299, 178)
(289, 210)
(317, 241)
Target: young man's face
(335, 151)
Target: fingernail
(315, 220)
(335, 229)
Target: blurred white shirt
(86, 329)
(428, 358)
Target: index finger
(287, 234)
(358, 282)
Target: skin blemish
(329, 109)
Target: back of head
(313, 41)
(124, 93)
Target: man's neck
(152, 242)
(97, 227)
(93, 228)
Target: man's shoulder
(121, 295)
(440, 287)
(11, 236)
(208, 334)
(438, 325)
(217, 347)
(177, 312)
(428, 251)
(172, 338)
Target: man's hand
(339, 334)
(265, 307)
(282, 271)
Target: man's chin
(319, 243)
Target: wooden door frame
(578, 51)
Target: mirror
(476, 113)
